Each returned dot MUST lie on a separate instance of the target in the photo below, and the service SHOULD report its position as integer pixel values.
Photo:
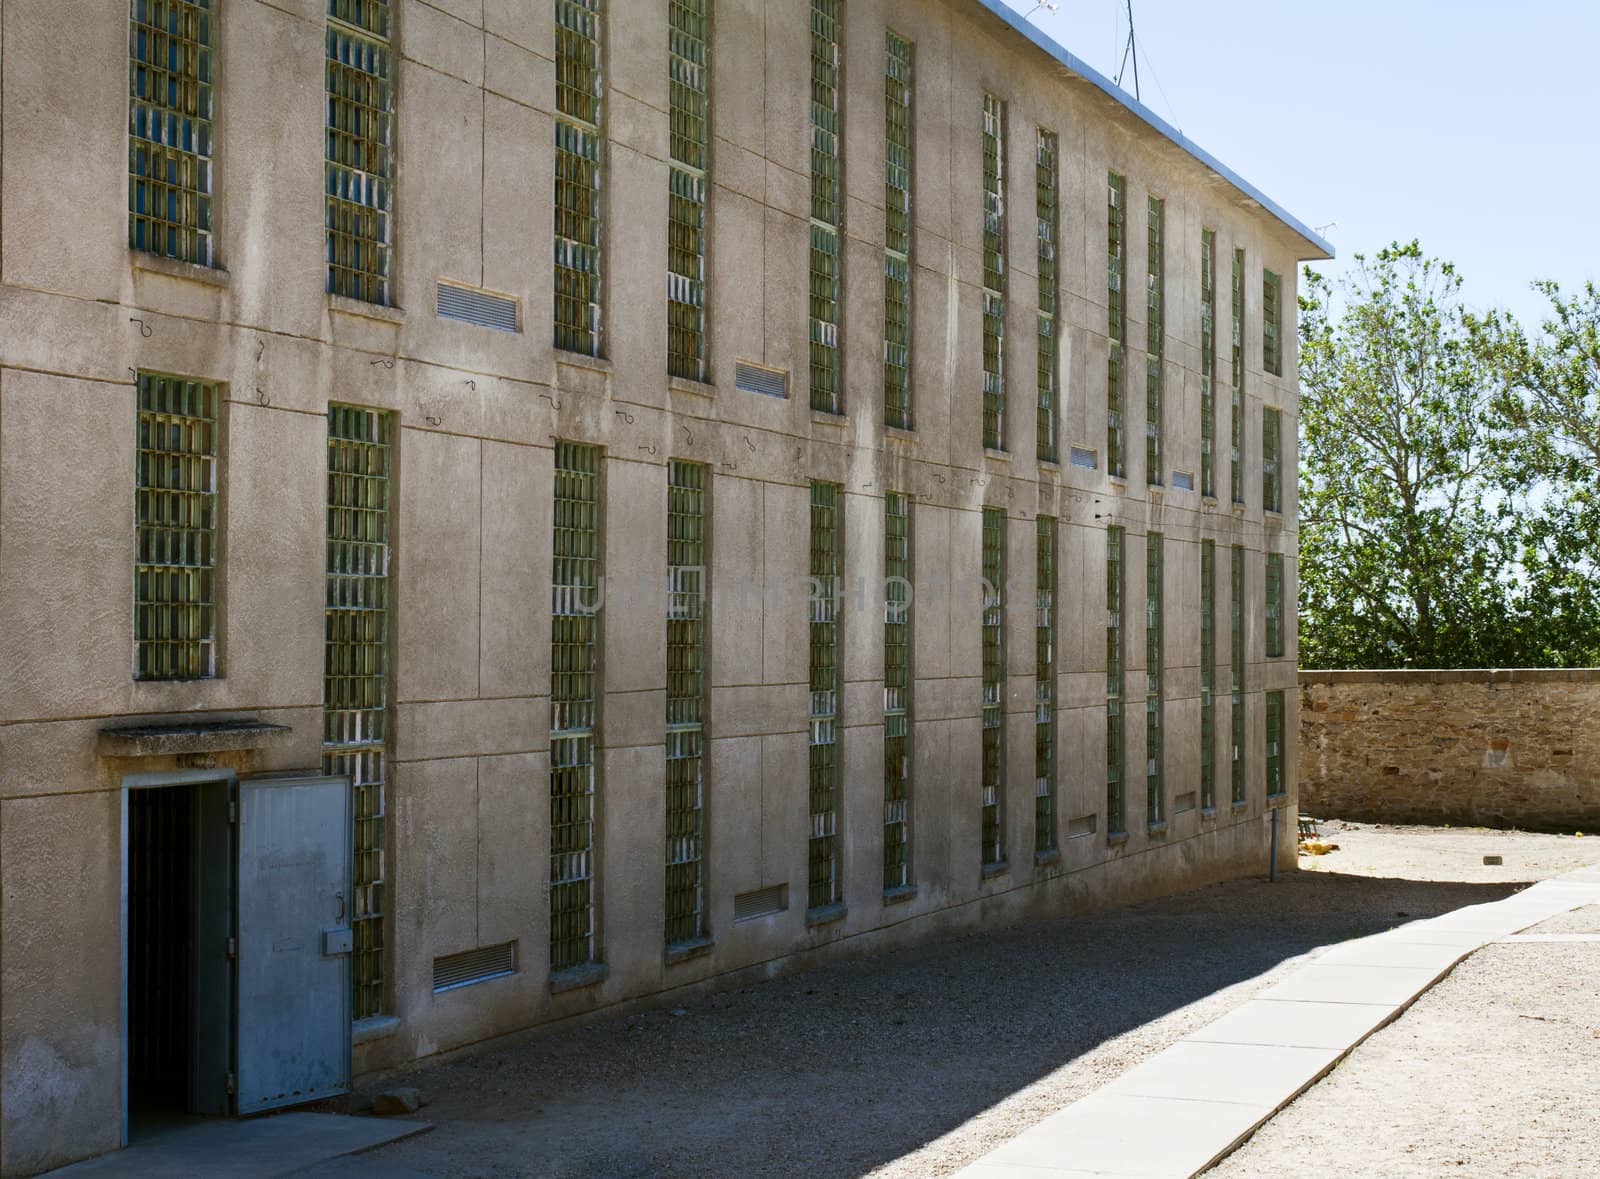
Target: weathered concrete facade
(1513, 748)
(476, 415)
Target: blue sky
(1470, 125)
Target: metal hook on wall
(385, 363)
(145, 329)
(473, 385)
(650, 448)
(750, 444)
(261, 396)
(261, 350)
(551, 399)
(688, 433)
(625, 416)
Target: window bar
(1155, 338)
(573, 692)
(1208, 363)
(1275, 785)
(355, 694)
(688, 77)
(1236, 419)
(577, 235)
(1116, 817)
(826, 205)
(1271, 467)
(1116, 302)
(1154, 701)
(360, 149)
(823, 849)
(994, 273)
(897, 692)
(1208, 673)
(175, 566)
(1044, 719)
(1048, 184)
(1236, 638)
(1274, 605)
(1272, 323)
(994, 743)
(686, 666)
(897, 233)
(170, 52)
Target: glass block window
(1236, 419)
(1208, 363)
(1116, 816)
(1208, 675)
(1275, 784)
(175, 566)
(574, 643)
(1271, 459)
(826, 205)
(1155, 337)
(823, 849)
(171, 54)
(360, 149)
(1047, 183)
(994, 672)
(1044, 695)
(1274, 605)
(1236, 677)
(1272, 323)
(355, 685)
(578, 166)
(1117, 306)
(686, 696)
(688, 76)
(994, 272)
(1154, 634)
(897, 692)
(897, 232)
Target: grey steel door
(294, 941)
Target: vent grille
(747, 906)
(474, 966)
(476, 307)
(1183, 480)
(766, 381)
(1082, 456)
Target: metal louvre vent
(474, 966)
(766, 381)
(477, 307)
(747, 906)
(1084, 457)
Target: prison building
(510, 510)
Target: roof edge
(1056, 50)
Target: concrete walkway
(1183, 1109)
(249, 1148)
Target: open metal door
(294, 941)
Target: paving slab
(1333, 983)
(1392, 951)
(245, 1148)
(1243, 1074)
(1291, 1024)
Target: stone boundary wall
(1504, 748)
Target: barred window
(1236, 442)
(1117, 304)
(1271, 459)
(1208, 362)
(897, 233)
(1154, 703)
(1047, 183)
(994, 671)
(175, 567)
(1236, 639)
(897, 685)
(360, 157)
(578, 165)
(994, 272)
(171, 58)
(1275, 783)
(1116, 816)
(826, 206)
(1274, 605)
(355, 693)
(686, 691)
(1044, 696)
(823, 844)
(1156, 338)
(688, 75)
(1272, 323)
(1208, 675)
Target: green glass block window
(175, 566)
(355, 691)
(360, 149)
(823, 848)
(1154, 701)
(1271, 459)
(1116, 816)
(1044, 695)
(686, 695)
(1236, 677)
(1275, 783)
(1155, 337)
(897, 232)
(826, 205)
(1117, 305)
(1208, 363)
(171, 54)
(1047, 182)
(994, 272)
(577, 177)
(994, 671)
(574, 642)
(1236, 441)
(897, 684)
(688, 75)
(1274, 605)
(1272, 323)
(1208, 675)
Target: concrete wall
(1487, 748)
(477, 414)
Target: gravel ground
(915, 1063)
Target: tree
(1408, 546)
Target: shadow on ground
(839, 1070)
